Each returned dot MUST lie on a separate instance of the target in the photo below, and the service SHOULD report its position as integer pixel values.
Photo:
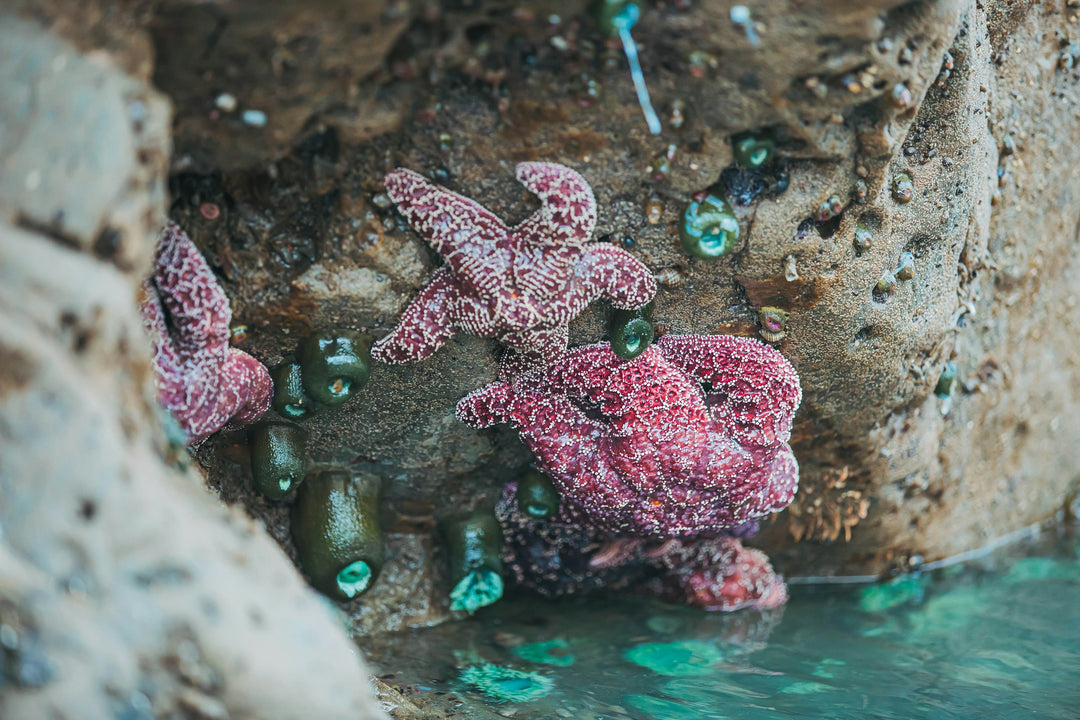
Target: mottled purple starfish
(520, 285)
(641, 448)
(564, 556)
(202, 381)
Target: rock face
(854, 95)
(125, 590)
(974, 103)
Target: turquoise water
(999, 638)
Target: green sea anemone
(631, 331)
(753, 150)
(906, 269)
(503, 684)
(903, 190)
(774, 322)
(709, 228)
(278, 457)
(677, 659)
(537, 496)
(945, 383)
(335, 525)
(552, 652)
(335, 364)
(290, 398)
(473, 542)
(863, 240)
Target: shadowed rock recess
(922, 209)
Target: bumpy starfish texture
(720, 574)
(640, 448)
(202, 381)
(520, 285)
(552, 557)
(561, 556)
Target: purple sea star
(553, 557)
(520, 285)
(719, 574)
(640, 449)
(562, 556)
(202, 381)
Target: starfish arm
(627, 282)
(165, 359)
(196, 305)
(461, 230)
(424, 327)
(777, 482)
(581, 373)
(560, 435)
(753, 387)
(608, 272)
(567, 214)
(535, 347)
(721, 574)
(486, 406)
(255, 389)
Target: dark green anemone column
(291, 400)
(753, 149)
(278, 457)
(335, 525)
(335, 364)
(631, 331)
(537, 496)
(473, 542)
(945, 383)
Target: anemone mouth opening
(284, 484)
(339, 387)
(354, 578)
(479, 588)
(715, 241)
(633, 339)
(539, 511)
(295, 410)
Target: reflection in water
(999, 638)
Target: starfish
(553, 557)
(640, 448)
(521, 285)
(202, 381)
(720, 574)
(562, 556)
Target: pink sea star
(520, 285)
(202, 381)
(640, 448)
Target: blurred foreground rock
(126, 591)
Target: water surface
(995, 638)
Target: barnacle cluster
(827, 508)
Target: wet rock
(287, 207)
(80, 144)
(828, 92)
